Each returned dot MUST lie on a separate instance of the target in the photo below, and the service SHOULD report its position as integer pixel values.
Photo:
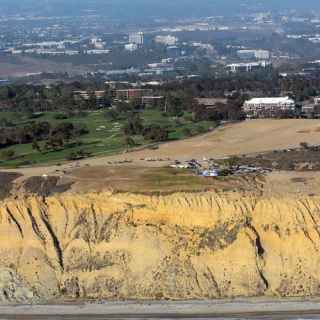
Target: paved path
(223, 309)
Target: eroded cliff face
(180, 246)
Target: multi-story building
(262, 54)
(311, 109)
(248, 67)
(131, 94)
(153, 101)
(136, 38)
(131, 47)
(166, 40)
(269, 107)
(253, 54)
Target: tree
(7, 154)
(112, 115)
(129, 142)
(174, 106)
(92, 101)
(36, 146)
(186, 132)
(55, 143)
(65, 130)
(134, 126)
(156, 133)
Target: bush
(186, 132)
(78, 155)
(201, 129)
(112, 114)
(156, 133)
(304, 145)
(60, 116)
(7, 154)
(134, 126)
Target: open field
(20, 66)
(154, 180)
(161, 180)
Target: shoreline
(171, 309)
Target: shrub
(156, 133)
(7, 154)
(60, 116)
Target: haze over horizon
(140, 8)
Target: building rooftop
(211, 101)
(274, 100)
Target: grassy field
(105, 137)
(153, 180)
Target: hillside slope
(179, 246)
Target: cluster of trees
(153, 132)
(230, 111)
(35, 98)
(260, 84)
(179, 95)
(55, 136)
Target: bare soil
(6, 183)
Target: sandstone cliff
(179, 246)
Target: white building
(97, 43)
(269, 107)
(166, 40)
(98, 51)
(131, 47)
(262, 54)
(136, 38)
(248, 67)
(254, 54)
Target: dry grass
(154, 180)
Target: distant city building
(253, 54)
(212, 103)
(98, 51)
(131, 47)
(166, 40)
(248, 67)
(311, 109)
(50, 52)
(136, 38)
(97, 43)
(99, 96)
(173, 51)
(153, 101)
(269, 107)
(131, 94)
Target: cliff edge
(179, 246)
